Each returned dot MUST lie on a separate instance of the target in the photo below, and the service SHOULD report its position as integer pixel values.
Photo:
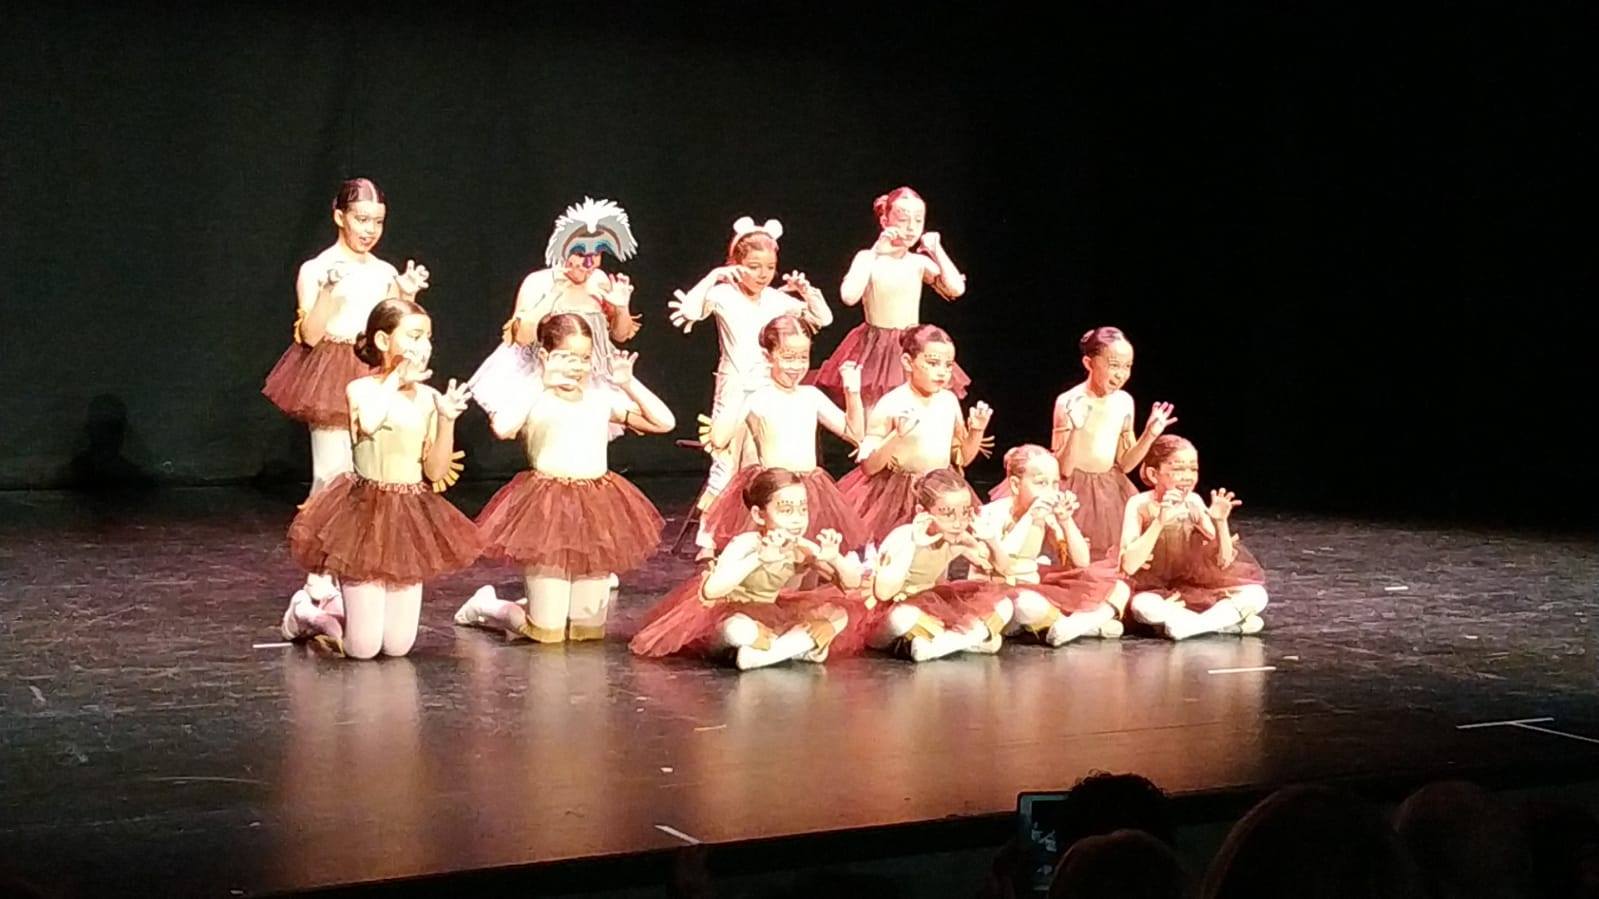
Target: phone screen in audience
(1038, 815)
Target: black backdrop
(1340, 243)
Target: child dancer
(782, 418)
(568, 521)
(887, 279)
(383, 530)
(1094, 441)
(573, 282)
(909, 610)
(740, 296)
(916, 428)
(1190, 576)
(1056, 603)
(337, 290)
(746, 605)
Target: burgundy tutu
(1074, 590)
(397, 534)
(1101, 505)
(883, 501)
(878, 352)
(308, 383)
(588, 528)
(1101, 502)
(682, 623)
(953, 604)
(728, 516)
(1192, 571)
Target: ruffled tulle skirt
(584, 527)
(1193, 572)
(683, 624)
(878, 352)
(954, 605)
(883, 501)
(1072, 590)
(308, 383)
(728, 516)
(361, 530)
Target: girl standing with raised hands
(1094, 441)
(916, 428)
(740, 297)
(782, 418)
(887, 280)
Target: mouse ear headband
(746, 226)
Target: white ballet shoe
(791, 645)
(1181, 627)
(988, 644)
(1252, 624)
(290, 627)
(1063, 631)
(320, 587)
(922, 649)
(470, 613)
(746, 658)
(926, 649)
(1111, 630)
(975, 632)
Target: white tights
(1180, 623)
(330, 457)
(380, 619)
(558, 607)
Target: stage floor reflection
(157, 740)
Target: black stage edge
(157, 743)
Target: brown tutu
(1192, 571)
(308, 383)
(953, 604)
(587, 528)
(397, 534)
(883, 501)
(1076, 589)
(728, 516)
(878, 352)
(682, 623)
(1101, 502)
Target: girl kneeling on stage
(1057, 603)
(746, 607)
(383, 530)
(1190, 575)
(910, 611)
(568, 521)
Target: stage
(159, 740)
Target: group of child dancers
(900, 556)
